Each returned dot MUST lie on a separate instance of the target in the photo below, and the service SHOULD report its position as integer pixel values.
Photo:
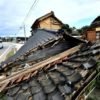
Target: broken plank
(40, 65)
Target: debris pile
(55, 71)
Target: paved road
(6, 45)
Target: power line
(33, 5)
(27, 15)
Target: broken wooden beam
(38, 66)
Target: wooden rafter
(26, 73)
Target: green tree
(67, 28)
(79, 31)
(83, 29)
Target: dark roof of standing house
(51, 14)
(96, 22)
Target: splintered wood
(32, 70)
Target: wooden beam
(39, 65)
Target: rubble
(59, 75)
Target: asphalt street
(6, 45)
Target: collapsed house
(42, 45)
(51, 65)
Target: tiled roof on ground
(42, 45)
(60, 81)
(49, 73)
(41, 37)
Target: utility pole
(24, 32)
(15, 39)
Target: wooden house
(93, 32)
(91, 35)
(96, 26)
(48, 21)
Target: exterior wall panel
(50, 23)
(98, 29)
(91, 36)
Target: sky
(76, 13)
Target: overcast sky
(76, 13)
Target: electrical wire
(31, 8)
(27, 15)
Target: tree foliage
(67, 28)
(83, 29)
